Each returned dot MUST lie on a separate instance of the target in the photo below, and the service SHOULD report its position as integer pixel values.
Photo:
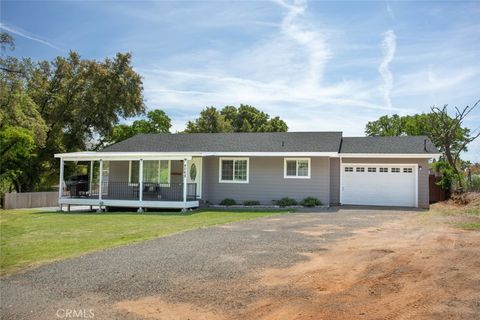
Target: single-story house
(185, 170)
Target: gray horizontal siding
(423, 187)
(334, 181)
(118, 171)
(266, 182)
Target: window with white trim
(233, 170)
(407, 170)
(297, 168)
(395, 170)
(372, 169)
(348, 169)
(383, 170)
(154, 171)
(360, 169)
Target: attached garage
(379, 184)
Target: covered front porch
(139, 180)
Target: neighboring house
(185, 170)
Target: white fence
(30, 200)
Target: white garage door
(380, 185)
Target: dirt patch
(156, 308)
(401, 271)
(407, 269)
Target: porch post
(91, 178)
(140, 184)
(60, 186)
(184, 184)
(100, 181)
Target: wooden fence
(30, 200)
(436, 192)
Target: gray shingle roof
(272, 142)
(404, 144)
(231, 142)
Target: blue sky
(319, 65)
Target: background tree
(445, 131)
(68, 104)
(6, 41)
(209, 121)
(249, 119)
(157, 121)
(231, 119)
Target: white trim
(391, 155)
(376, 164)
(341, 182)
(129, 203)
(234, 159)
(60, 189)
(185, 169)
(90, 184)
(140, 180)
(100, 180)
(347, 164)
(119, 156)
(90, 155)
(416, 185)
(271, 154)
(285, 176)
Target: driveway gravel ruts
(214, 267)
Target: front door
(194, 173)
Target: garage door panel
(379, 188)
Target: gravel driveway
(216, 268)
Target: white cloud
(278, 73)
(28, 35)
(312, 39)
(431, 80)
(389, 45)
(390, 12)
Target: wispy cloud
(430, 80)
(278, 73)
(389, 46)
(22, 33)
(390, 11)
(313, 40)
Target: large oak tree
(71, 104)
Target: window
(297, 168)
(372, 169)
(383, 170)
(407, 170)
(395, 170)
(348, 169)
(154, 171)
(360, 169)
(233, 170)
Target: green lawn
(29, 238)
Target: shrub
(251, 203)
(310, 202)
(286, 202)
(228, 202)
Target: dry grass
(462, 211)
